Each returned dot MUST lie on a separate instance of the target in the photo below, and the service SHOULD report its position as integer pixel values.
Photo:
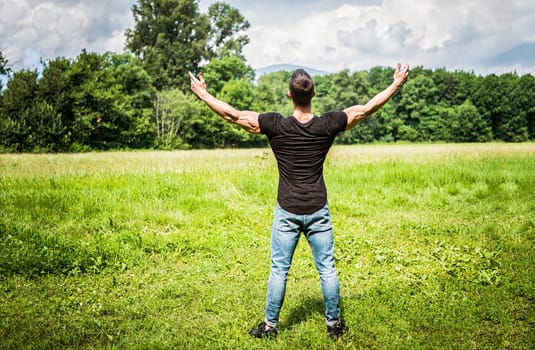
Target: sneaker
(263, 330)
(337, 330)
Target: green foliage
(495, 97)
(177, 116)
(17, 124)
(171, 37)
(466, 124)
(272, 93)
(170, 250)
(93, 102)
(220, 71)
(226, 31)
(111, 102)
(54, 91)
(238, 93)
(523, 98)
(108, 101)
(4, 69)
(432, 106)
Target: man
(300, 144)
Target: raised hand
(198, 85)
(401, 75)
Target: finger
(398, 67)
(201, 79)
(191, 76)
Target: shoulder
(269, 118)
(336, 121)
(268, 115)
(334, 114)
(268, 121)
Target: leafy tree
(238, 93)
(33, 112)
(172, 37)
(389, 123)
(518, 109)
(54, 93)
(112, 101)
(272, 93)
(512, 122)
(177, 117)
(416, 106)
(185, 122)
(432, 127)
(523, 98)
(380, 77)
(447, 87)
(4, 69)
(221, 70)
(226, 31)
(467, 85)
(135, 100)
(493, 100)
(18, 102)
(21, 89)
(48, 131)
(466, 124)
(343, 92)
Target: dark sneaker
(264, 331)
(337, 330)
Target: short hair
(301, 88)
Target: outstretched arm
(357, 113)
(246, 119)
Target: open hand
(401, 75)
(198, 85)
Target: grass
(170, 250)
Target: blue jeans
(286, 230)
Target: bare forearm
(222, 108)
(380, 99)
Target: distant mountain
(287, 67)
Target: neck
(303, 114)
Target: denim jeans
(286, 230)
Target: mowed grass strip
(170, 250)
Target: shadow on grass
(303, 312)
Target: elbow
(231, 116)
(368, 110)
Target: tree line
(140, 98)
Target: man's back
(300, 150)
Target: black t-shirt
(300, 150)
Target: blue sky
(485, 36)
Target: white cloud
(47, 29)
(324, 34)
(434, 33)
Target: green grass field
(170, 250)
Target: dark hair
(301, 88)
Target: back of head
(301, 88)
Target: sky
(484, 36)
